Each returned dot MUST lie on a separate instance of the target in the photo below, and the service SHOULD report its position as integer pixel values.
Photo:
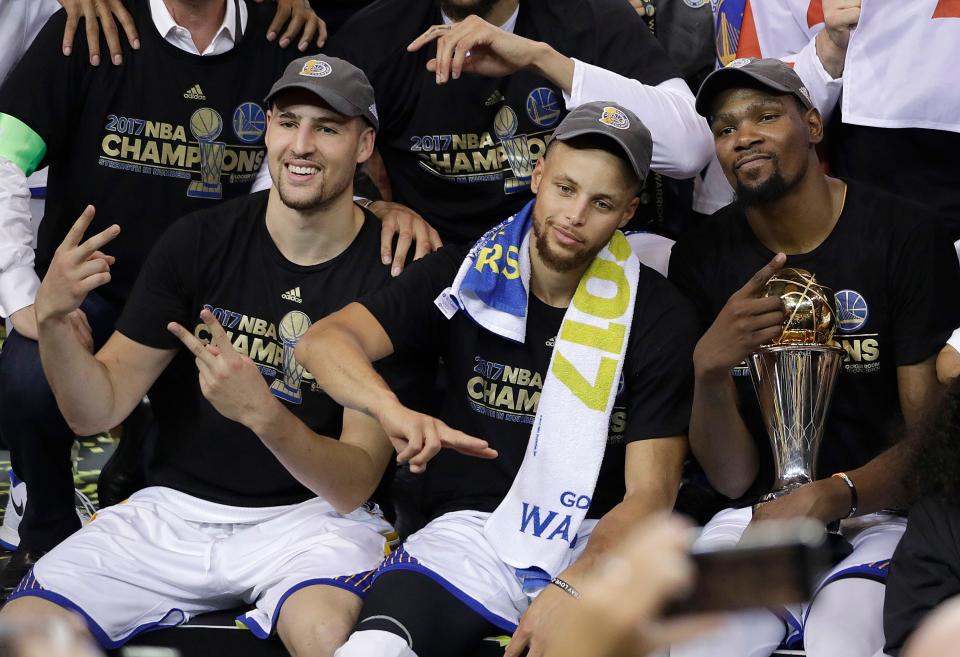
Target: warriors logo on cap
(739, 63)
(316, 68)
(614, 118)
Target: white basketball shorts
(163, 556)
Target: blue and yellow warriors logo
(729, 14)
(852, 310)
(615, 118)
(206, 125)
(543, 107)
(291, 328)
(249, 122)
(316, 68)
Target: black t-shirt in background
(895, 274)
(223, 259)
(493, 384)
(135, 140)
(440, 143)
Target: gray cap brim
(729, 78)
(330, 97)
(638, 169)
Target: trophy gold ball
(810, 312)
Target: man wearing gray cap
(228, 292)
(890, 265)
(564, 353)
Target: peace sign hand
(76, 269)
(230, 381)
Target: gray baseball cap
(771, 73)
(340, 84)
(613, 121)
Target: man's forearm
(553, 66)
(81, 384)
(343, 474)
(617, 523)
(344, 371)
(719, 440)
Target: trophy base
(786, 489)
(200, 189)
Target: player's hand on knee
(475, 46)
(97, 15)
(25, 322)
(745, 323)
(825, 500)
(303, 25)
(77, 268)
(229, 380)
(409, 228)
(948, 364)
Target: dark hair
(607, 145)
(936, 469)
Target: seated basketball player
(562, 351)
(259, 479)
(890, 265)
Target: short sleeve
(164, 288)
(923, 572)
(405, 307)
(684, 273)
(659, 384)
(924, 282)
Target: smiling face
(763, 142)
(313, 151)
(583, 196)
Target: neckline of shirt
(177, 35)
(508, 26)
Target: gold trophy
(515, 149)
(287, 386)
(205, 126)
(794, 377)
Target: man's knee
(363, 643)
(317, 620)
(846, 618)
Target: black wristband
(568, 588)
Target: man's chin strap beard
(773, 189)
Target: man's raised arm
(98, 392)
(339, 351)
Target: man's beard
(556, 261)
(457, 11)
(772, 189)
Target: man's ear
(537, 176)
(629, 211)
(365, 144)
(266, 133)
(814, 125)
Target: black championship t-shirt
(463, 152)
(164, 134)
(493, 384)
(224, 260)
(894, 274)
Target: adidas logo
(292, 295)
(495, 97)
(194, 93)
(551, 342)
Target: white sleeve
(824, 90)
(954, 340)
(682, 143)
(263, 180)
(18, 280)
